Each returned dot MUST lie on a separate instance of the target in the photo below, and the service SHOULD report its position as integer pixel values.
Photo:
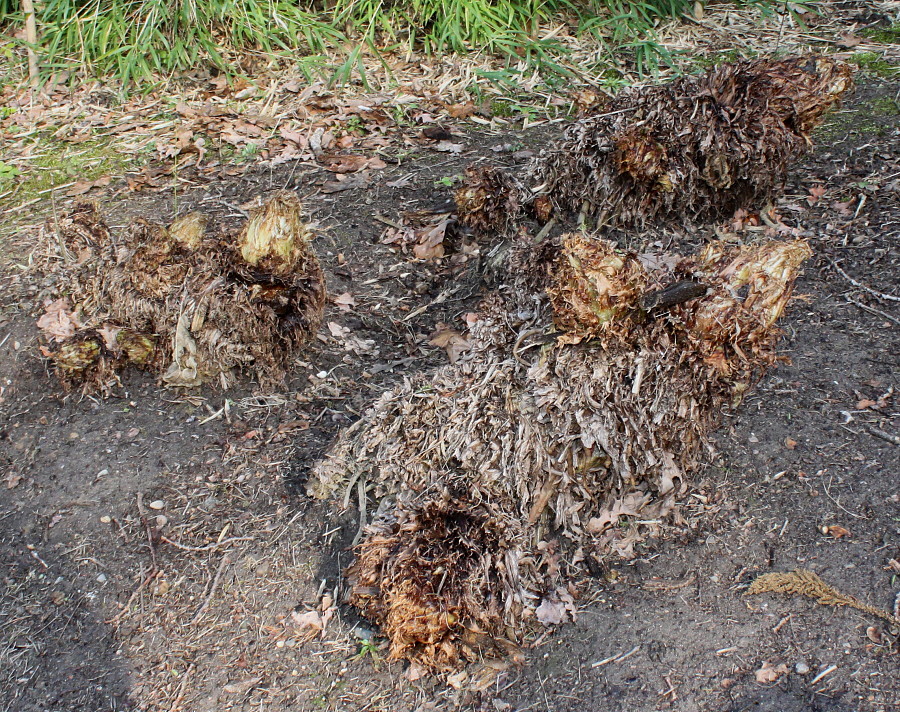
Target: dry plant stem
(855, 283)
(873, 310)
(31, 38)
(226, 559)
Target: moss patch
(875, 64)
(57, 163)
(883, 35)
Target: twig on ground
(878, 433)
(616, 658)
(880, 295)
(142, 514)
(207, 547)
(226, 559)
(872, 310)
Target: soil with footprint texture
(155, 544)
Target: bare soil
(155, 543)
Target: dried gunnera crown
(696, 147)
(550, 431)
(192, 307)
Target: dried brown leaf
(58, 321)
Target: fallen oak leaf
(83, 186)
(58, 321)
(551, 612)
(241, 687)
(448, 147)
(431, 241)
(344, 302)
(835, 531)
(461, 111)
(769, 673)
(310, 624)
(816, 192)
(12, 480)
(451, 341)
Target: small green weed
(369, 649)
(8, 172)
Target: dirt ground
(156, 543)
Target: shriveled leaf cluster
(698, 147)
(192, 307)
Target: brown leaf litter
(188, 306)
(697, 147)
(499, 475)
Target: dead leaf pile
(528, 432)
(190, 307)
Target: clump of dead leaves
(191, 307)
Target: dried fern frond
(802, 582)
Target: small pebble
(101, 578)
(105, 519)
(801, 668)
(157, 504)
(161, 520)
(363, 633)
(322, 374)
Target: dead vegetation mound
(697, 147)
(191, 307)
(551, 435)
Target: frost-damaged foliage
(191, 307)
(500, 475)
(697, 147)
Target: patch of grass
(874, 64)
(143, 40)
(883, 35)
(140, 40)
(58, 163)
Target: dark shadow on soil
(56, 654)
